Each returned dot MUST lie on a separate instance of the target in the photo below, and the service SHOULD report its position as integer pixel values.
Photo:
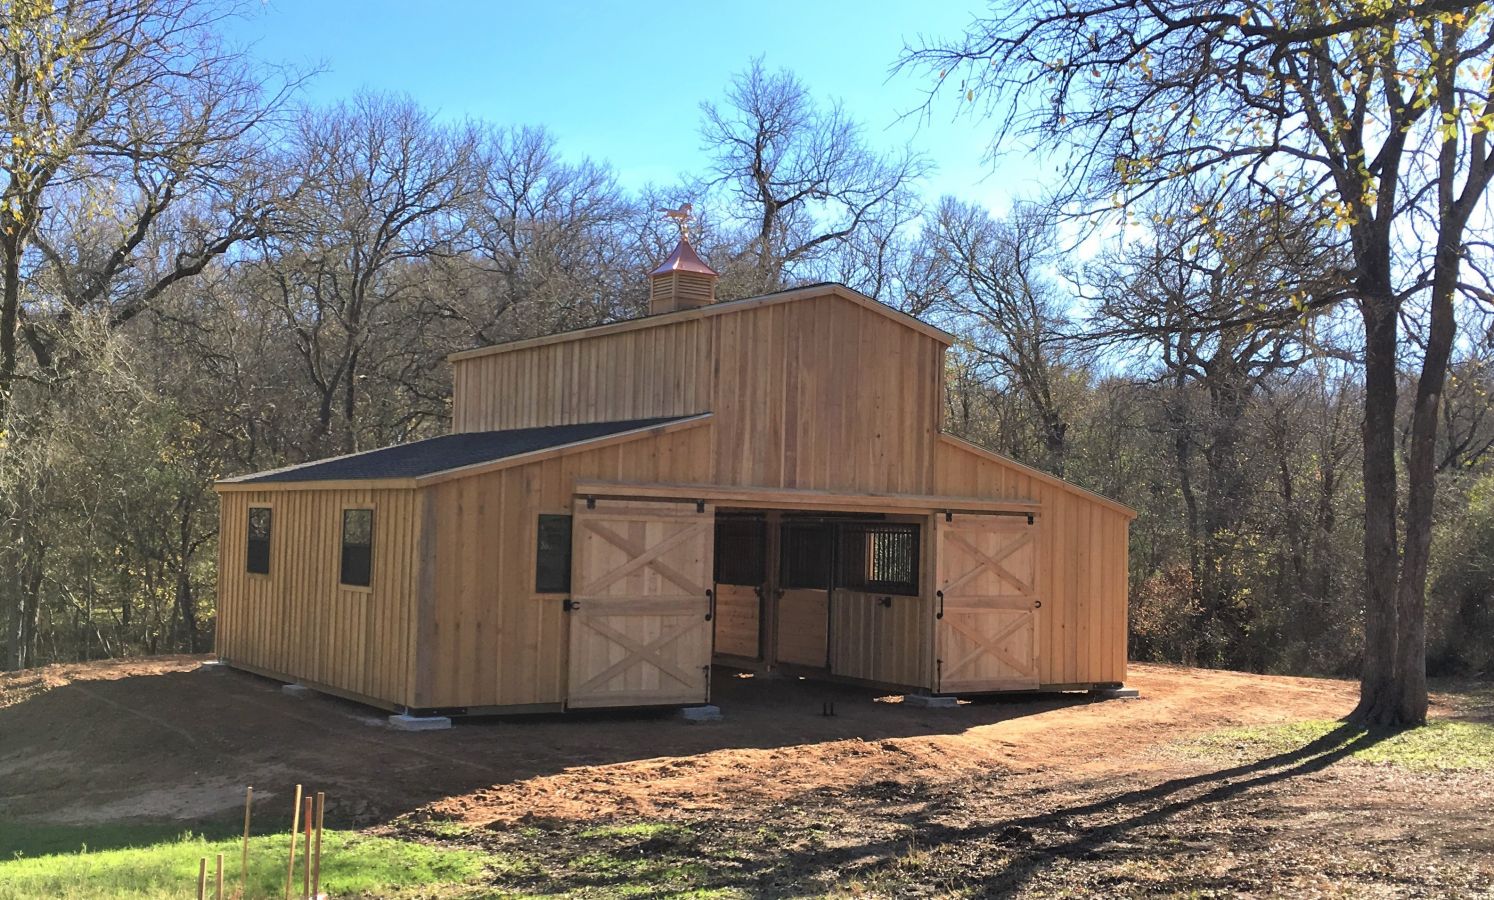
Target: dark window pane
(879, 557)
(258, 553)
(357, 547)
(741, 550)
(806, 555)
(552, 567)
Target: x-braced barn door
(986, 605)
(641, 606)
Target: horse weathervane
(680, 217)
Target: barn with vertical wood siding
(759, 483)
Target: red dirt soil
(154, 738)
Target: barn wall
(297, 622)
(823, 394)
(1082, 576)
(820, 393)
(638, 374)
(487, 638)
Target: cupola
(683, 281)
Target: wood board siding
(298, 620)
(489, 639)
(1082, 624)
(738, 628)
(638, 374)
(884, 638)
(821, 393)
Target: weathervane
(680, 217)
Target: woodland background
(204, 277)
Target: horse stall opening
(825, 594)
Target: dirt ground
(1054, 795)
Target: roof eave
(238, 484)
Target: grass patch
(1439, 746)
(641, 830)
(353, 865)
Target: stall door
(640, 607)
(986, 606)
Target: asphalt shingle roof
(450, 451)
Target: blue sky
(623, 82)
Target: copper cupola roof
(684, 259)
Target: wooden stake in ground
(306, 852)
(290, 867)
(316, 855)
(202, 879)
(244, 863)
(219, 893)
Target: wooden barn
(760, 483)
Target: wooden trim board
(790, 498)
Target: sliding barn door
(986, 606)
(640, 632)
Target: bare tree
(1164, 295)
(999, 278)
(800, 176)
(386, 187)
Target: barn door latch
(711, 607)
(940, 596)
(570, 605)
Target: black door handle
(886, 601)
(940, 613)
(570, 604)
(711, 609)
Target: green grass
(1440, 745)
(643, 830)
(150, 865)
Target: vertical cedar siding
(298, 620)
(491, 640)
(1082, 573)
(819, 393)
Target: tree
(130, 162)
(386, 189)
(1369, 118)
(996, 276)
(126, 121)
(1152, 294)
(801, 179)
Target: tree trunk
(1410, 699)
(1377, 700)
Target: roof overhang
(633, 434)
(799, 499)
(716, 309)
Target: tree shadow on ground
(1137, 809)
